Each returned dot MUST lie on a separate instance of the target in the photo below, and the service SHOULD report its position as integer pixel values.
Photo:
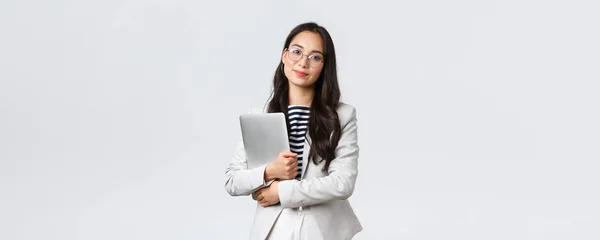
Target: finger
(286, 154)
(291, 161)
(289, 154)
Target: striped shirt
(298, 117)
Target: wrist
(268, 176)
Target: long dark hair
(323, 124)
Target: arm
(339, 184)
(239, 180)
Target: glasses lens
(315, 60)
(295, 54)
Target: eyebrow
(317, 51)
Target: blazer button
(300, 209)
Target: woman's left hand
(269, 195)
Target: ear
(283, 55)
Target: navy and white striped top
(298, 117)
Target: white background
(477, 119)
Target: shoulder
(346, 113)
(257, 107)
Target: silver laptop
(264, 136)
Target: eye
(295, 51)
(316, 58)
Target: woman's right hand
(284, 167)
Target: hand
(269, 195)
(284, 167)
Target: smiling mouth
(301, 74)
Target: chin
(301, 83)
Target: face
(303, 59)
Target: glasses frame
(302, 55)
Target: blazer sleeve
(338, 184)
(239, 180)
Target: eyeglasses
(314, 60)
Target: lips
(300, 74)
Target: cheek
(287, 70)
(289, 64)
(316, 74)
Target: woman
(303, 193)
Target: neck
(300, 96)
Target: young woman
(303, 193)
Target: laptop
(265, 136)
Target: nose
(303, 62)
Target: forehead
(308, 42)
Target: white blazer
(324, 194)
